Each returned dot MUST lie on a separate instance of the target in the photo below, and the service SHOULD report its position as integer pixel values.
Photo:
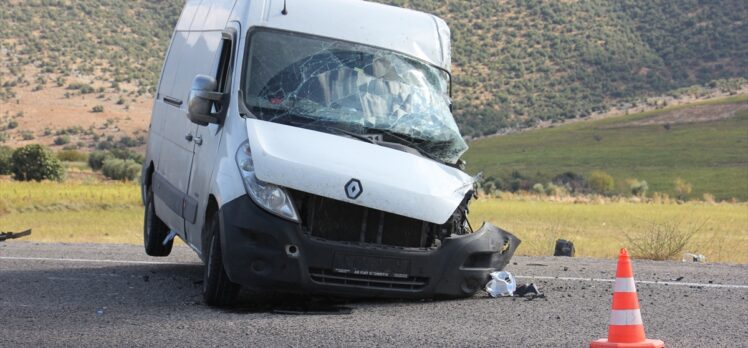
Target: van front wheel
(218, 289)
(154, 230)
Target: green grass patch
(713, 155)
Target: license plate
(371, 265)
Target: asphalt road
(114, 295)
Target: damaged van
(308, 147)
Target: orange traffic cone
(626, 328)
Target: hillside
(515, 62)
(705, 144)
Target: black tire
(218, 289)
(154, 230)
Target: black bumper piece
(264, 252)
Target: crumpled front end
(341, 251)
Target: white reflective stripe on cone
(624, 285)
(625, 317)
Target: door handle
(188, 137)
(198, 140)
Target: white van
(308, 147)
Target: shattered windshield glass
(351, 89)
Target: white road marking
(96, 260)
(654, 282)
(603, 280)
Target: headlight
(270, 197)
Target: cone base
(603, 343)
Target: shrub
(538, 189)
(488, 187)
(572, 182)
(27, 135)
(682, 188)
(126, 154)
(127, 141)
(96, 159)
(601, 182)
(62, 139)
(638, 188)
(663, 242)
(555, 190)
(97, 108)
(6, 153)
(72, 156)
(12, 124)
(36, 162)
(117, 169)
(709, 198)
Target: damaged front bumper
(265, 252)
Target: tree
(36, 162)
(601, 182)
(6, 153)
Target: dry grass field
(93, 211)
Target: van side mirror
(202, 96)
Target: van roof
(421, 35)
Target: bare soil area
(696, 114)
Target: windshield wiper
(409, 143)
(349, 133)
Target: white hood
(322, 164)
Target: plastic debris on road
(688, 257)
(501, 284)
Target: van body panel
(321, 163)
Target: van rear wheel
(218, 289)
(154, 230)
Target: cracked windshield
(353, 90)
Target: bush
(36, 162)
(555, 190)
(663, 242)
(572, 182)
(72, 156)
(97, 108)
(538, 189)
(601, 182)
(27, 135)
(62, 140)
(682, 188)
(96, 159)
(6, 153)
(117, 169)
(638, 188)
(126, 154)
(12, 124)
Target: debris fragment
(501, 284)
(564, 248)
(13, 235)
(530, 290)
(688, 257)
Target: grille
(326, 276)
(334, 220)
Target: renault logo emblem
(353, 189)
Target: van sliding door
(206, 150)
